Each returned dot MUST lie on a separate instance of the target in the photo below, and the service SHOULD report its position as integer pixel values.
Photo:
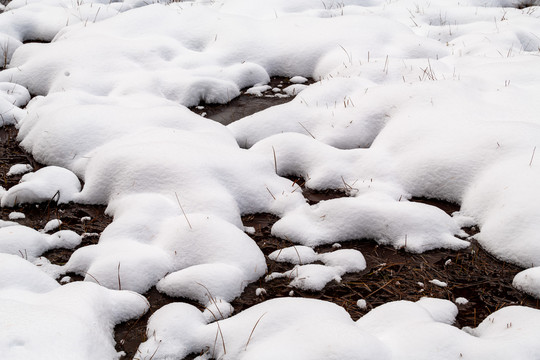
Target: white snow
(461, 301)
(49, 183)
(52, 225)
(439, 283)
(316, 276)
(16, 215)
(412, 98)
(29, 243)
(19, 169)
(528, 281)
(362, 304)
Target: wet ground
(390, 274)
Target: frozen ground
(432, 99)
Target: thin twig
(119, 283)
(270, 193)
(306, 129)
(183, 212)
(532, 157)
(252, 330)
(275, 160)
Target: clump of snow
(16, 215)
(48, 183)
(528, 281)
(29, 243)
(298, 80)
(439, 283)
(413, 226)
(461, 301)
(258, 90)
(362, 304)
(19, 169)
(217, 309)
(316, 276)
(294, 90)
(12, 96)
(52, 225)
(260, 291)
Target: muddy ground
(390, 274)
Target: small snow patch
(461, 301)
(298, 80)
(15, 215)
(19, 169)
(362, 304)
(260, 292)
(52, 225)
(438, 283)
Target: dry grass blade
(119, 283)
(302, 125)
(252, 330)
(275, 159)
(183, 212)
(270, 193)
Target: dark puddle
(247, 104)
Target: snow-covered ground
(412, 98)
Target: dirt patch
(397, 275)
(247, 104)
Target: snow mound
(528, 281)
(315, 276)
(46, 184)
(195, 256)
(29, 243)
(19, 169)
(83, 313)
(13, 269)
(12, 97)
(413, 226)
(285, 328)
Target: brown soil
(245, 105)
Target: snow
(46, 184)
(28, 243)
(362, 304)
(412, 99)
(528, 281)
(16, 215)
(461, 301)
(316, 276)
(300, 326)
(19, 169)
(52, 225)
(439, 283)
